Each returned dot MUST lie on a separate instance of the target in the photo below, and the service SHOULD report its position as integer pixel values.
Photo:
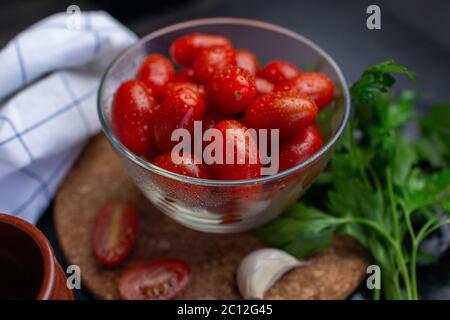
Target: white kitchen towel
(49, 78)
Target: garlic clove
(259, 270)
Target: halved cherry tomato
(263, 86)
(132, 116)
(184, 75)
(156, 72)
(173, 86)
(187, 167)
(179, 109)
(287, 111)
(315, 85)
(247, 60)
(278, 71)
(231, 90)
(300, 148)
(236, 140)
(114, 232)
(155, 280)
(185, 49)
(212, 60)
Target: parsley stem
(426, 229)
(401, 259)
(414, 271)
(393, 204)
(436, 227)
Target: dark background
(414, 33)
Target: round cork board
(98, 177)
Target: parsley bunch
(385, 190)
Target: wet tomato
(188, 165)
(179, 109)
(184, 75)
(173, 86)
(263, 86)
(211, 60)
(239, 157)
(132, 116)
(185, 49)
(155, 280)
(287, 111)
(247, 60)
(278, 70)
(315, 85)
(114, 232)
(156, 72)
(231, 90)
(300, 148)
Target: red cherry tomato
(300, 148)
(238, 141)
(179, 109)
(132, 116)
(185, 49)
(155, 280)
(247, 61)
(114, 232)
(231, 90)
(187, 168)
(287, 111)
(212, 60)
(184, 75)
(173, 86)
(156, 72)
(315, 85)
(263, 86)
(278, 70)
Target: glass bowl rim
(224, 183)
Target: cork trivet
(98, 177)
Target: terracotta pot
(28, 266)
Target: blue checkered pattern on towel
(49, 80)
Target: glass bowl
(227, 206)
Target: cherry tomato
(187, 168)
(184, 75)
(263, 86)
(315, 85)
(173, 86)
(212, 60)
(286, 111)
(132, 116)
(179, 109)
(300, 148)
(114, 232)
(156, 72)
(247, 61)
(155, 280)
(238, 141)
(231, 90)
(185, 49)
(278, 70)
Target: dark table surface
(414, 33)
